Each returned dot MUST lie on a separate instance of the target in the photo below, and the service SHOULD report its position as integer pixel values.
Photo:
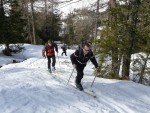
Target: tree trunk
(134, 5)
(143, 69)
(46, 11)
(7, 50)
(2, 20)
(2, 8)
(27, 15)
(126, 65)
(33, 22)
(115, 64)
(52, 23)
(96, 20)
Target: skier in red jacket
(50, 54)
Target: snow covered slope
(27, 87)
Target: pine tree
(13, 25)
(50, 29)
(69, 35)
(121, 37)
(143, 31)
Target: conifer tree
(121, 38)
(13, 24)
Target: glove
(98, 69)
(44, 56)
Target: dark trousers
(64, 51)
(79, 69)
(49, 61)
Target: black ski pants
(79, 69)
(64, 51)
(49, 61)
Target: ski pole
(93, 80)
(70, 76)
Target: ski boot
(49, 70)
(53, 68)
(79, 86)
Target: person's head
(86, 48)
(49, 42)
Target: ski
(53, 74)
(85, 90)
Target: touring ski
(85, 90)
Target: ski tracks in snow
(27, 87)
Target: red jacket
(50, 50)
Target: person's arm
(93, 60)
(43, 52)
(74, 56)
(56, 47)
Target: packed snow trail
(27, 87)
